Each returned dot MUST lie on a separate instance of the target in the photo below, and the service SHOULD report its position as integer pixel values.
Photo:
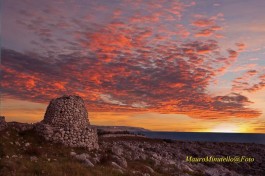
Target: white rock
(82, 157)
(149, 169)
(72, 154)
(88, 163)
(33, 159)
(115, 165)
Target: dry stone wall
(66, 121)
(20, 127)
(3, 123)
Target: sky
(165, 65)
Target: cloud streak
(127, 85)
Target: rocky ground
(168, 157)
(26, 153)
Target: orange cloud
(250, 81)
(204, 33)
(136, 61)
(241, 46)
(207, 26)
(203, 22)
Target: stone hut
(67, 111)
(66, 121)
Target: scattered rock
(149, 169)
(185, 167)
(219, 171)
(72, 154)
(88, 163)
(14, 156)
(120, 160)
(120, 171)
(117, 150)
(84, 157)
(96, 160)
(115, 165)
(33, 159)
(7, 133)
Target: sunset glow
(158, 64)
(226, 128)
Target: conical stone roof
(67, 111)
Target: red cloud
(232, 54)
(258, 86)
(216, 28)
(208, 32)
(124, 83)
(204, 33)
(206, 26)
(203, 22)
(241, 46)
(250, 81)
(133, 62)
(252, 72)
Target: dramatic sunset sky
(163, 65)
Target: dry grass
(53, 159)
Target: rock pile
(66, 121)
(3, 123)
(20, 127)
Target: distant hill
(121, 128)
